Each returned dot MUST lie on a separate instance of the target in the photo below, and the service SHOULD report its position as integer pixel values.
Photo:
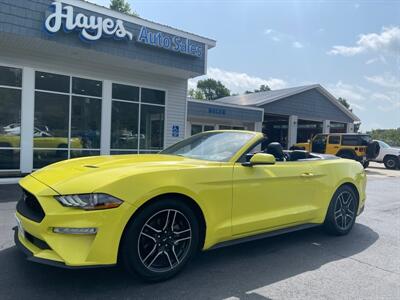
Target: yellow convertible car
(152, 213)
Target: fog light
(67, 230)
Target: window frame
(70, 95)
(334, 136)
(18, 88)
(138, 149)
(202, 125)
(28, 80)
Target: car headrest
(276, 150)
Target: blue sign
(169, 42)
(216, 111)
(175, 130)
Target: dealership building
(77, 79)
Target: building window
(228, 127)
(67, 118)
(124, 125)
(10, 117)
(197, 128)
(137, 122)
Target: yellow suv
(355, 146)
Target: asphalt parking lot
(303, 265)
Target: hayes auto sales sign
(92, 28)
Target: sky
(352, 48)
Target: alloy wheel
(345, 210)
(164, 240)
(391, 163)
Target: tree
(213, 89)
(390, 136)
(263, 88)
(344, 102)
(122, 6)
(196, 94)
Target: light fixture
(68, 230)
(89, 201)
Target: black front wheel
(162, 238)
(391, 162)
(342, 211)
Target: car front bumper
(37, 240)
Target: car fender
(214, 201)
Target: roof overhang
(210, 102)
(323, 91)
(337, 103)
(210, 43)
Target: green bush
(389, 136)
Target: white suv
(388, 155)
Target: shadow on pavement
(216, 274)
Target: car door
(272, 196)
(333, 145)
(319, 143)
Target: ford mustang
(153, 212)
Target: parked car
(356, 146)
(388, 155)
(153, 212)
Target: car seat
(276, 150)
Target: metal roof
(262, 98)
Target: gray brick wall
(26, 18)
(308, 105)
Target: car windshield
(383, 144)
(213, 146)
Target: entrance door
(276, 129)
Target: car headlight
(89, 201)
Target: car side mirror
(260, 159)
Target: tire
(391, 162)
(373, 150)
(365, 164)
(342, 211)
(161, 240)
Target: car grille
(30, 208)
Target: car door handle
(307, 174)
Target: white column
(350, 128)
(326, 126)
(188, 129)
(292, 131)
(106, 107)
(258, 126)
(27, 119)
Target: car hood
(83, 175)
(392, 150)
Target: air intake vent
(30, 208)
